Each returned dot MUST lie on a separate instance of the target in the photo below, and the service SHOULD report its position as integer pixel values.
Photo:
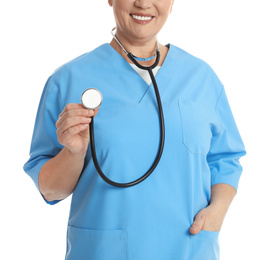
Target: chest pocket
(196, 126)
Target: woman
(177, 212)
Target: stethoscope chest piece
(91, 98)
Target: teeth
(141, 18)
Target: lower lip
(143, 22)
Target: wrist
(222, 196)
(219, 209)
(74, 155)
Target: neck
(140, 48)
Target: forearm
(59, 176)
(221, 197)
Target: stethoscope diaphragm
(91, 98)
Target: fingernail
(194, 229)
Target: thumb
(86, 133)
(96, 111)
(197, 224)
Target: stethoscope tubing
(162, 132)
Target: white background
(39, 36)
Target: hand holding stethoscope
(73, 130)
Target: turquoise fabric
(202, 148)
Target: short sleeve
(44, 144)
(226, 147)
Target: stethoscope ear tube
(162, 129)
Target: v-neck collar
(127, 64)
(162, 77)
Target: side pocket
(88, 244)
(204, 246)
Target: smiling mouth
(141, 17)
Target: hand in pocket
(208, 219)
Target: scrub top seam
(218, 99)
(59, 92)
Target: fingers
(73, 110)
(198, 223)
(69, 133)
(72, 106)
(70, 116)
(72, 121)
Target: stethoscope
(92, 99)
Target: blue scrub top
(202, 147)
